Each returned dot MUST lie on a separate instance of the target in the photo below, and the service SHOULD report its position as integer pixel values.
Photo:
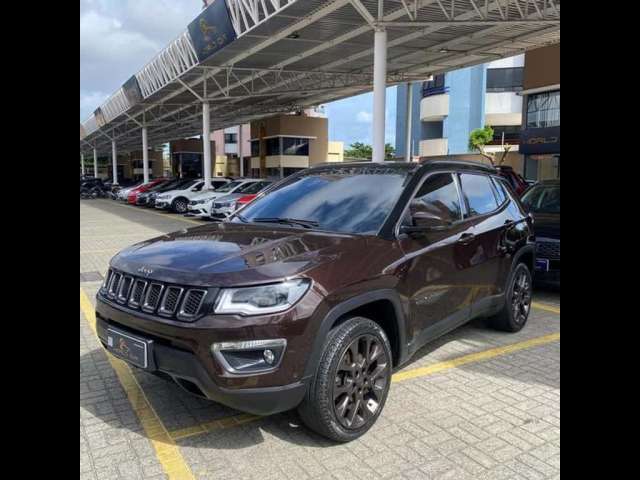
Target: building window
(273, 146)
(511, 134)
(255, 148)
(504, 79)
(435, 86)
(543, 110)
(230, 138)
(295, 146)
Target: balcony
(434, 147)
(434, 107)
(503, 108)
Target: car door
(434, 280)
(485, 248)
(194, 190)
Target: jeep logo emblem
(145, 271)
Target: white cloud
(89, 101)
(364, 117)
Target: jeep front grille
(169, 301)
(548, 248)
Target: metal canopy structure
(246, 59)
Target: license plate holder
(132, 349)
(542, 264)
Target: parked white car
(222, 207)
(200, 205)
(178, 200)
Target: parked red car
(514, 179)
(242, 201)
(133, 194)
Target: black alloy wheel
(360, 382)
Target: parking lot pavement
(474, 404)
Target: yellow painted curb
(167, 451)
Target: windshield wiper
(288, 221)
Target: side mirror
(425, 222)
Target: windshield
(228, 187)
(542, 199)
(349, 200)
(161, 185)
(253, 187)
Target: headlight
(261, 300)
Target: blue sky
(118, 37)
(350, 118)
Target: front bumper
(162, 204)
(199, 210)
(185, 370)
(221, 213)
(548, 277)
(181, 351)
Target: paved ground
(475, 404)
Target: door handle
(466, 238)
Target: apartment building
(284, 144)
(540, 143)
(447, 108)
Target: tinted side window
(500, 193)
(439, 196)
(478, 193)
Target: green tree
(389, 151)
(363, 150)
(359, 150)
(479, 138)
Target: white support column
(240, 151)
(206, 146)
(145, 155)
(82, 164)
(95, 163)
(408, 123)
(114, 158)
(379, 92)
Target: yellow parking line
(545, 306)
(167, 451)
(474, 357)
(171, 217)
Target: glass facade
(504, 79)
(543, 109)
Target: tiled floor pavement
(495, 418)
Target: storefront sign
(100, 121)
(132, 91)
(540, 140)
(212, 30)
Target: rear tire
(517, 305)
(352, 381)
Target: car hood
(225, 254)
(547, 225)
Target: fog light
(269, 356)
(250, 356)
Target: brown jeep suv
(311, 295)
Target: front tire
(351, 383)
(515, 311)
(179, 205)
